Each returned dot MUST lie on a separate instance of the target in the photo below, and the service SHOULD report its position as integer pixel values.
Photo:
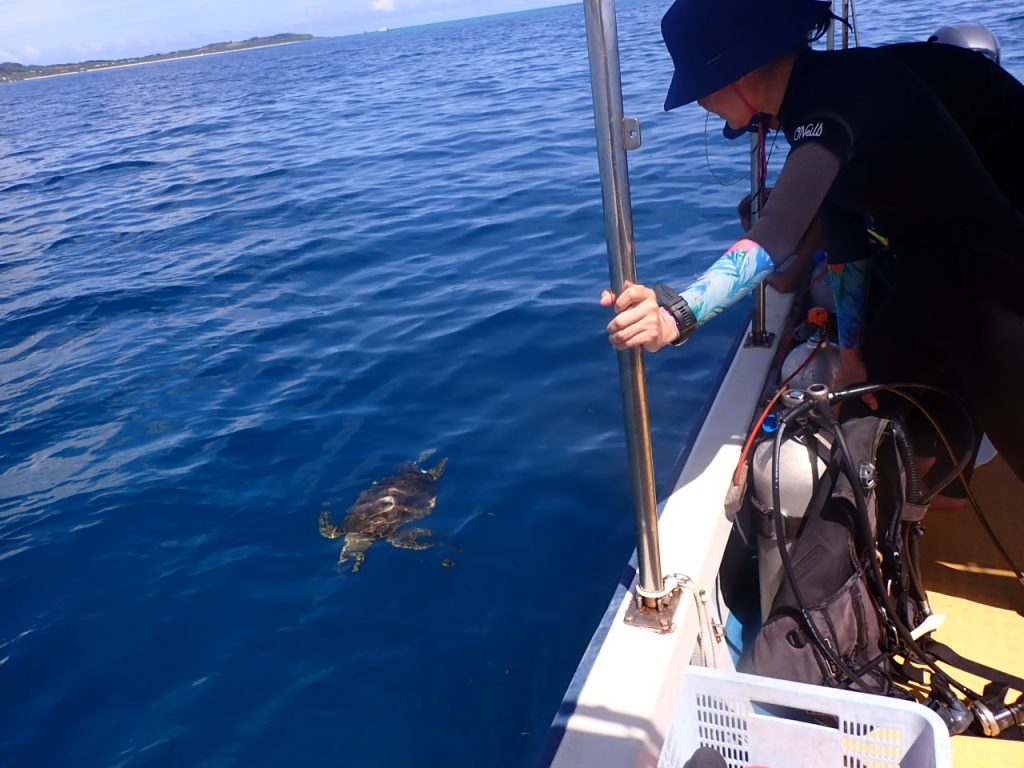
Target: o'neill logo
(811, 129)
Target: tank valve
(817, 392)
(794, 397)
(818, 316)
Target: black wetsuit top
(985, 100)
(872, 138)
(921, 140)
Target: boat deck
(969, 581)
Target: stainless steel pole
(759, 336)
(830, 41)
(606, 85)
(846, 28)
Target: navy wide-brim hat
(716, 42)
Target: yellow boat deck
(970, 583)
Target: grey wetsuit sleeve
(803, 183)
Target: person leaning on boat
(872, 133)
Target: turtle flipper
(355, 549)
(327, 528)
(437, 471)
(408, 539)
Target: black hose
(861, 519)
(913, 549)
(907, 454)
(875, 571)
(912, 492)
(865, 389)
(787, 565)
(965, 458)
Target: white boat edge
(639, 670)
(620, 706)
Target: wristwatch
(679, 309)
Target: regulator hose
(896, 389)
(912, 542)
(787, 565)
(961, 464)
(904, 560)
(912, 491)
(914, 494)
(875, 570)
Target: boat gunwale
(663, 659)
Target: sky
(67, 31)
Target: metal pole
(606, 85)
(846, 28)
(759, 336)
(830, 41)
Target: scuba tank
(814, 360)
(837, 511)
(804, 460)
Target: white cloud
(387, 6)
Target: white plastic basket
(723, 710)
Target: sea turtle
(382, 509)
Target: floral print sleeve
(849, 286)
(728, 280)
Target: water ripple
(237, 287)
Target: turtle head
(328, 529)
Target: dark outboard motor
(976, 37)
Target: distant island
(11, 72)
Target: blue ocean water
(236, 287)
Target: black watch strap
(679, 309)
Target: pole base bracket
(661, 617)
(759, 339)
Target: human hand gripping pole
(645, 318)
(639, 320)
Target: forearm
(850, 289)
(728, 280)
